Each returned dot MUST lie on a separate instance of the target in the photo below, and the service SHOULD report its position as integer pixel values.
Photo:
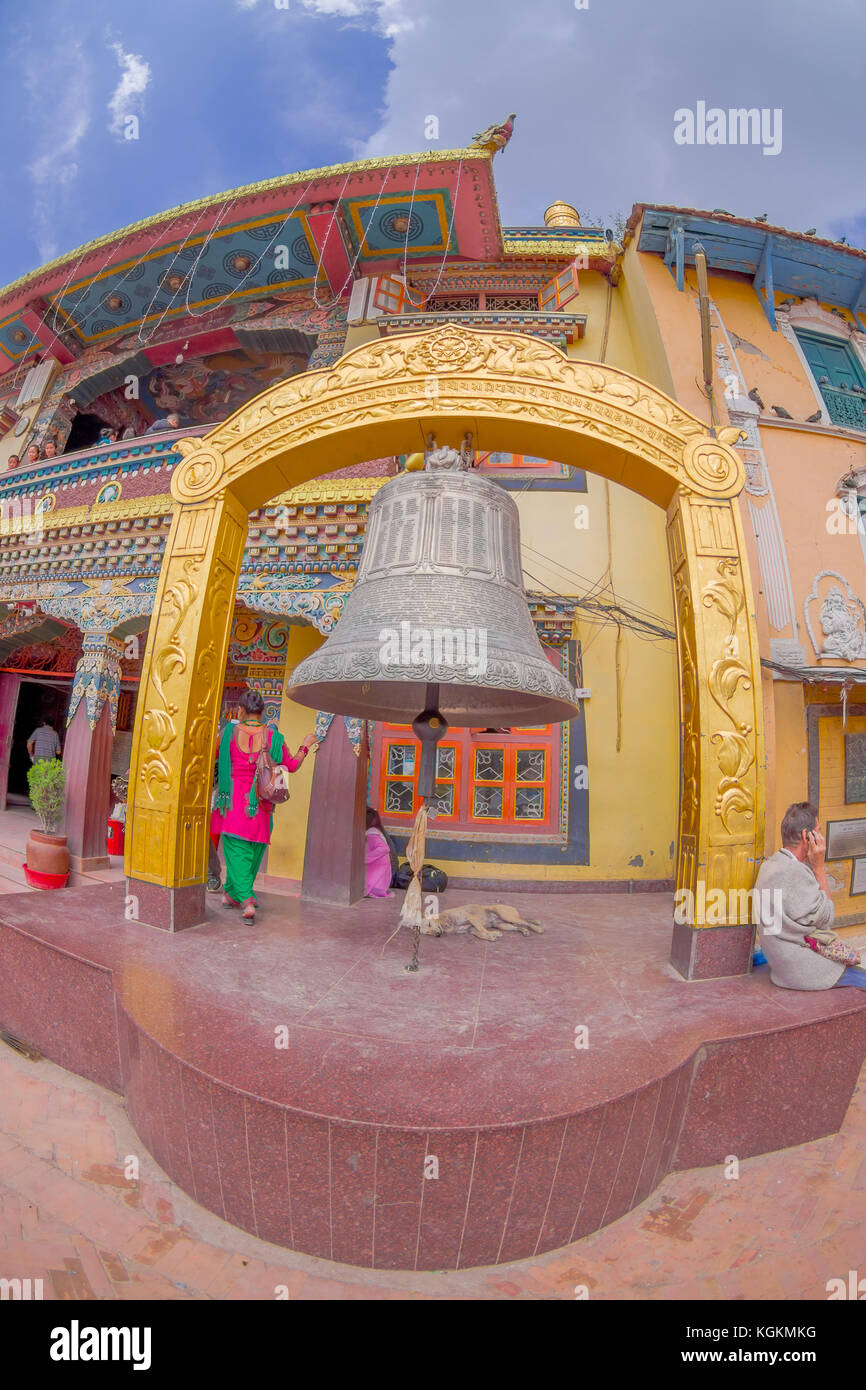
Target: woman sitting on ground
(380, 858)
(244, 823)
(793, 903)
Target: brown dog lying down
(488, 923)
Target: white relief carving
(772, 555)
(810, 315)
(842, 616)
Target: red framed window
(490, 780)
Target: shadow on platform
(293, 1077)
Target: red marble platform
(321, 1145)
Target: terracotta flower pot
(47, 854)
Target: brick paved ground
(69, 1215)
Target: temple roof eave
(42, 280)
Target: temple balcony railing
(555, 327)
(107, 462)
(845, 408)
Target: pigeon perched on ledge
(813, 419)
(781, 412)
(753, 396)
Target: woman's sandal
(249, 912)
(229, 902)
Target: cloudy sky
(229, 91)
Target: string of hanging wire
(649, 626)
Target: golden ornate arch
(384, 398)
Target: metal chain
(361, 244)
(413, 965)
(254, 267)
(165, 274)
(76, 323)
(421, 302)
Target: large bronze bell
(438, 601)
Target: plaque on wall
(846, 838)
(858, 877)
(855, 767)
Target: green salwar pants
(243, 861)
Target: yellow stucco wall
(805, 463)
(633, 792)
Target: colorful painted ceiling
(316, 230)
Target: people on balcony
(168, 422)
(50, 449)
(33, 455)
(13, 461)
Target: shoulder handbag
(834, 950)
(272, 777)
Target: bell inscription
(439, 584)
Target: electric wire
(644, 616)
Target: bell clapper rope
(430, 727)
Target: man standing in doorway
(43, 742)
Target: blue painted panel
(799, 267)
(237, 260)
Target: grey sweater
(784, 921)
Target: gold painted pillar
(722, 757)
(176, 719)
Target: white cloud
(58, 81)
(595, 91)
(388, 17)
(126, 99)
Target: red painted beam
(32, 318)
(200, 345)
(324, 222)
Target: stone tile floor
(71, 1216)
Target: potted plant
(47, 864)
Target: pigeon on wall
(813, 419)
(753, 396)
(781, 412)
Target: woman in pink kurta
(243, 822)
(379, 868)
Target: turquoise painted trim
(763, 282)
(802, 266)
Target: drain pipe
(700, 256)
